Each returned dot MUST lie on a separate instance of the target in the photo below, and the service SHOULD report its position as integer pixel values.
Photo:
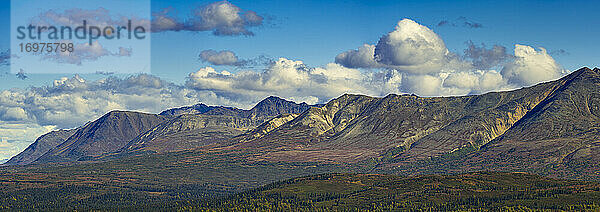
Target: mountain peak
(121, 113)
(194, 109)
(587, 70)
(273, 106)
(271, 99)
(106, 134)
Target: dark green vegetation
(325, 192)
(368, 192)
(194, 156)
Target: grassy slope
(202, 180)
(153, 181)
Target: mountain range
(552, 129)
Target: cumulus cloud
(425, 85)
(70, 102)
(531, 66)
(411, 48)
(13, 114)
(83, 52)
(123, 52)
(428, 68)
(483, 58)
(222, 18)
(476, 81)
(229, 58)
(363, 57)
(289, 79)
(223, 57)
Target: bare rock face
(109, 133)
(269, 126)
(41, 145)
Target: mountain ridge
(108, 133)
(559, 117)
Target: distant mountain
(201, 125)
(41, 145)
(109, 133)
(264, 110)
(189, 131)
(273, 106)
(194, 109)
(550, 124)
(550, 129)
(172, 130)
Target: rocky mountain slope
(264, 110)
(41, 145)
(201, 125)
(562, 132)
(552, 125)
(109, 133)
(189, 131)
(172, 130)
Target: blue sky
(316, 31)
(238, 52)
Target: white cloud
(410, 48)
(222, 18)
(413, 48)
(15, 137)
(531, 66)
(74, 17)
(483, 58)
(85, 52)
(223, 57)
(70, 102)
(13, 114)
(288, 79)
(363, 57)
(428, 68)
(425, 85)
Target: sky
(236, 53)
